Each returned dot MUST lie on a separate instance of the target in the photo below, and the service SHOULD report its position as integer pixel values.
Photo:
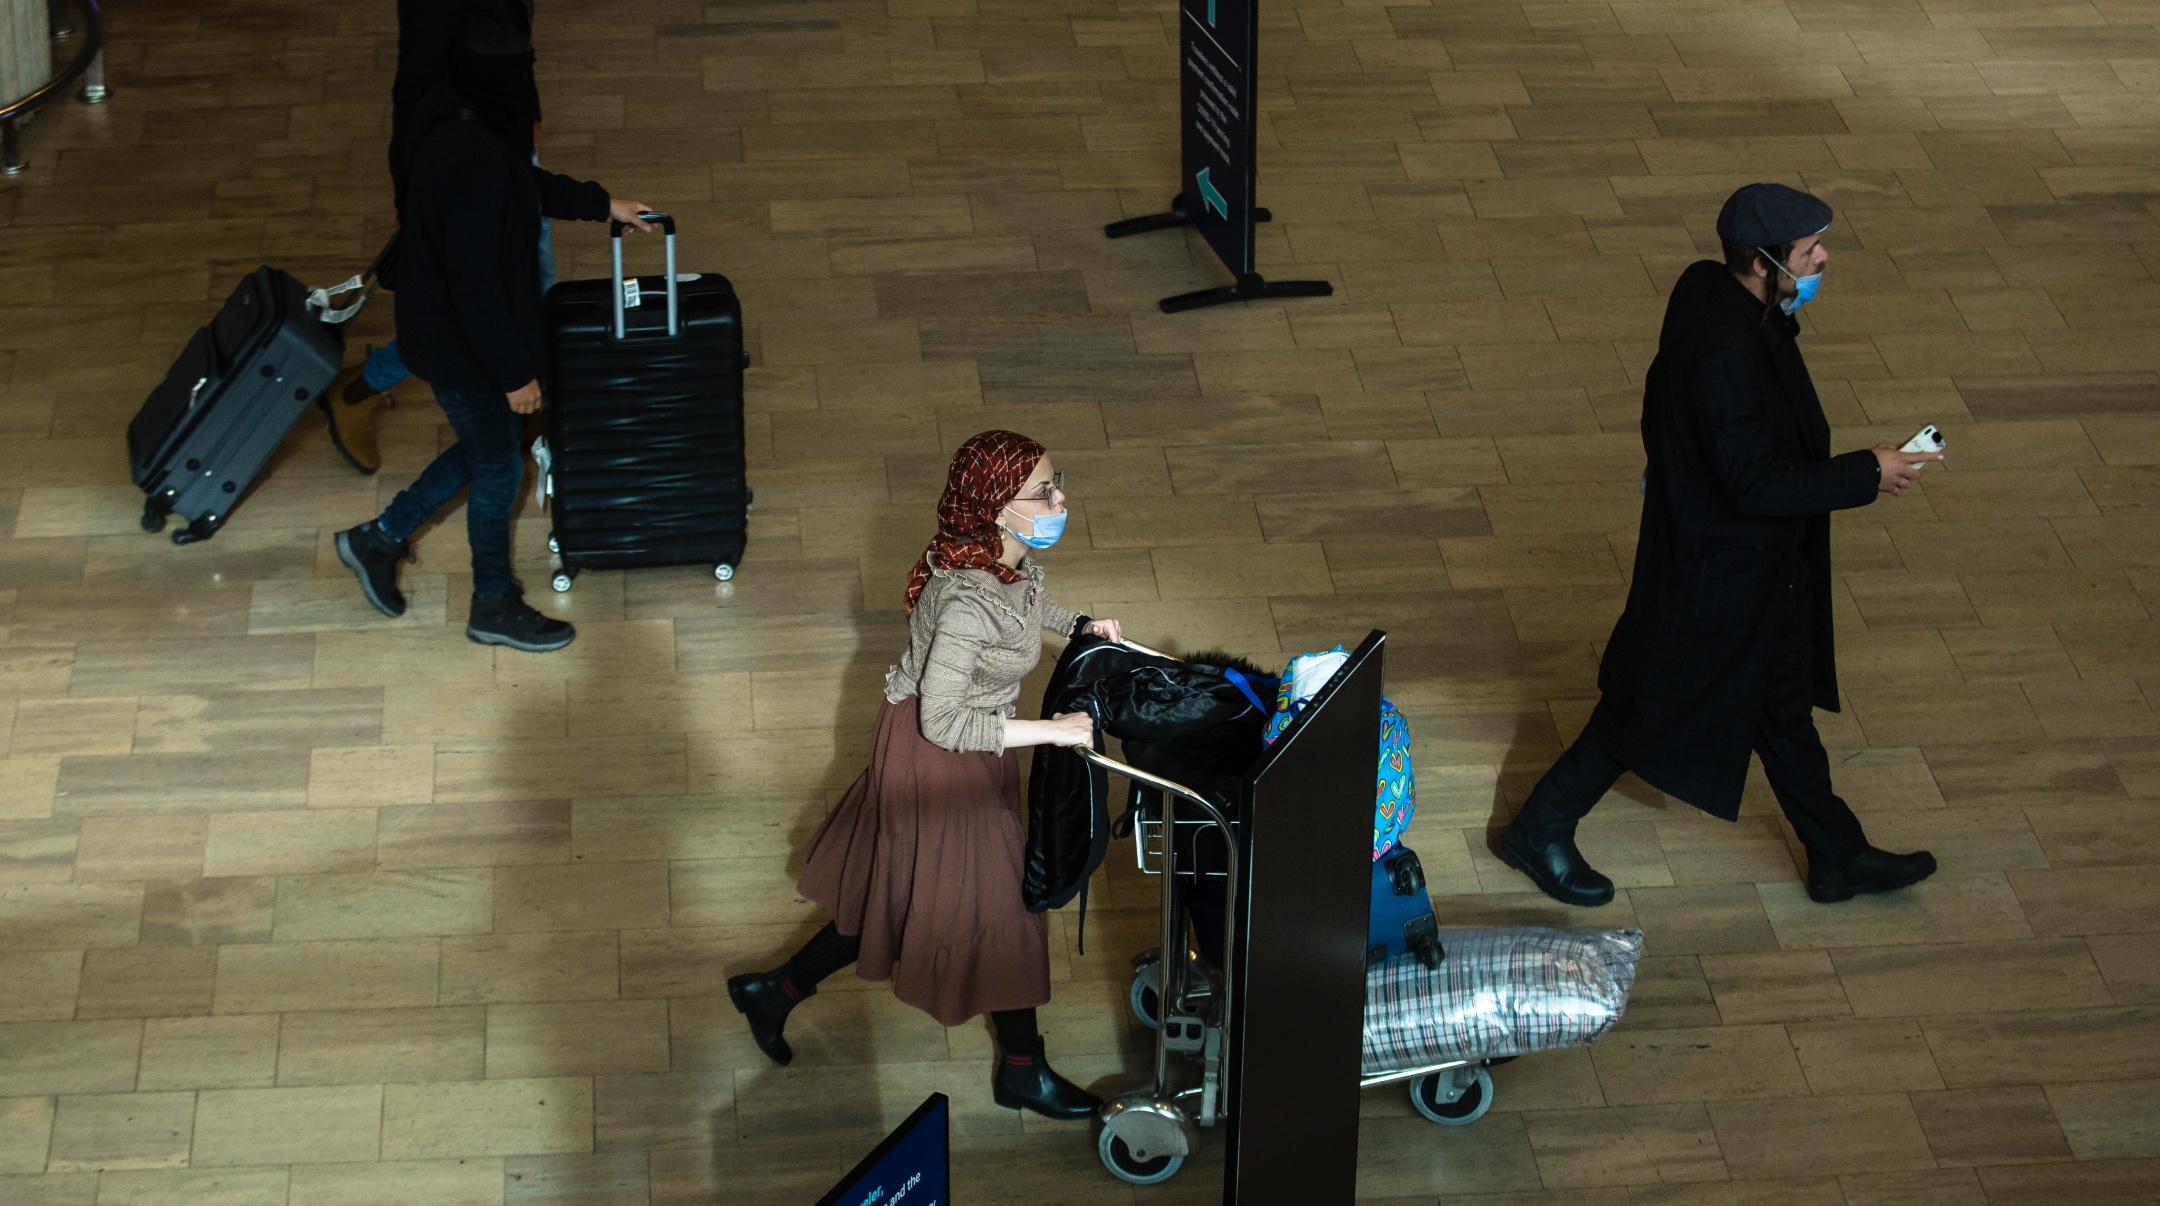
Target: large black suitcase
(645, 420)
(229, 400)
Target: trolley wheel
(1427, 1090)
(561, 582)
(1125, 1166)
(724, 572)
(153, 514)
(1145, 995)
(554, 545)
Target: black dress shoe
(764, 999)
(1033, 1086)
(1871, 870)
(1555, 866)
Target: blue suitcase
(1402, 918)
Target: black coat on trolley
(1184, 720)
(646, 426)
(1736, 506)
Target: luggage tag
(544, 480)
(365, 283)
(633, 294)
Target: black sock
(828, 951)
(1016, 1034)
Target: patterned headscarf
(987, 472)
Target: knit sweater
(970, 642)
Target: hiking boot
(505, 620)
(349, 404)
(373, 558)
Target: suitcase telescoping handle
(674, 311)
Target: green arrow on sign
(1209, 197)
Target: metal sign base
(1249, 286)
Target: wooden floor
(302, 906)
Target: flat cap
(1765, 215)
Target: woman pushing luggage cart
(919, 865)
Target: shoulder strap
(1238, 680)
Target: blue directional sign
(1217, 43)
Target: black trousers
(1792, 754)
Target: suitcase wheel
(201, 529)
(725, 573)
(1406, 875)
(554, 545)
(561, 581)
(153, 514)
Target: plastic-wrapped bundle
(1498, 992)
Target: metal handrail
(87, 60)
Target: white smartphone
(1926, 440)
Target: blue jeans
(385, 369)
(489, 456)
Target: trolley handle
(1230, 845)
(617, 286)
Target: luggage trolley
(1147, 1133)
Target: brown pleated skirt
(921, 860)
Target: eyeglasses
(1047, 491)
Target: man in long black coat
(1726, 643)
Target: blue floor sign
(912, 1167)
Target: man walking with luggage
(1725, 644)
(427, 32)
(469, 321)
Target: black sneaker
(373, 558)
(505, 620)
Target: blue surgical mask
(1806, 286)
(1047, 529)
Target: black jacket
(1735, 511)
(429, 35)
(1184, 720)
(468, 263)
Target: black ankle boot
(1027, 1083)
(373, 558)
(1554, 865)
(506, 620)
(1871, 870)
(765, 999)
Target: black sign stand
(1296, 1036)
(1218, 44)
